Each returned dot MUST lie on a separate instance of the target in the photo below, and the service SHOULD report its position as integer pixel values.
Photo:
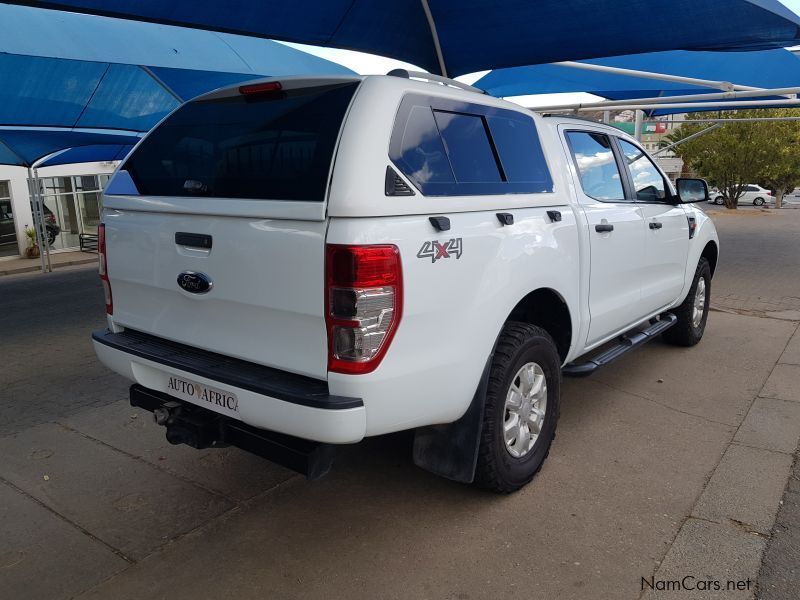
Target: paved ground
(672, 462)
(760, 266)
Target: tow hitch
(201, 428)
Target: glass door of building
(72, 206)
(8, 232)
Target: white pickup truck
(295, 264)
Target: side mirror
(691, 190)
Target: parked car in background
(753, 193)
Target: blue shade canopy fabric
(81, 154)
(477, 35)
(767, 69)
(75, 71)
(24, 147)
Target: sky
(370, 64)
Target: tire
(520, 345)
(688, 331)
(758, 202)
(719, 200)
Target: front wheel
(758, 202)
(719, 200)
(521, 408)
(693, 312)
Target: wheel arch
(546, 308)
(711, 254)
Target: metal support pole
(606, 116)
(788, 93)
(719, 85)
(637, 128)
(38, 216)
(704, 106)
(687, 138)
(44, 243)
(435, 36)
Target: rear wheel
(693, 313)
(521, 408)
(758, 202)
(719, 200)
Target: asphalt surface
(49, 369)
(667, 463)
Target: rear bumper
(267, 398)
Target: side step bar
(625, 343)
(200, 428)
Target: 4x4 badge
(436, 250)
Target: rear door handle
(193, 240)
(604, 228)
(656, 225)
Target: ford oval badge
(195, 283)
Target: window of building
(8, 232)
(647, 179)
(72, 205)
(597, 167)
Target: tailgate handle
(193, 240)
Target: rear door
(666, 230)
(231, 189)
(616, 235)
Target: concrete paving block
(717, 379)
(43, 556)
(708, 555)
(231, 472)
(621, 475)
(123, 501)
(791, 356)
(783, 383)
(771, 424)
(746, 488)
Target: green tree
(782, 172)
(735, 154)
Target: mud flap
(451, 450)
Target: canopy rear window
(278, 145)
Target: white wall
(18, 184)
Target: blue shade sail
(101, 76)
(24, 147)
(478, 35)
(82, 154)
(767, 69)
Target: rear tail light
(101, 250)
(770, 194)
(363, 305)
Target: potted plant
(32, 251)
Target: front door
(616, 236)
(666, 231)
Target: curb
(56, 266)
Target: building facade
(72, 199)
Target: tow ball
(166, 414)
